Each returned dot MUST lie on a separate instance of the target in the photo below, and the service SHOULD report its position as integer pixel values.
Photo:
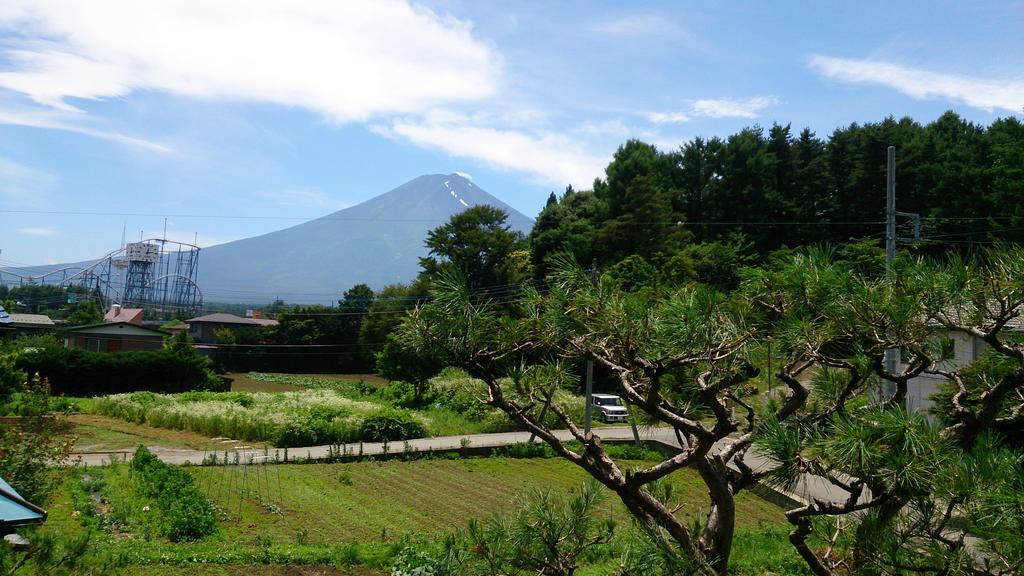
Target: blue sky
(235, 118)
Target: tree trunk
(716, 539)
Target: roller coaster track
(168, 283)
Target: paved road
(182, 456)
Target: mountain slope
(378, 242)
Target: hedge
(81, 373)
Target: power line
(376, 219)
(226, 216)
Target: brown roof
(224, 318)
(31, 319)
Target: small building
(113, 337)
(960, 349)
(119, 314)
(202, 329)
(15, 325)
(15, 511)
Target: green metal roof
(116, 328)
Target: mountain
(377, 242)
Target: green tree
(87, 312)
(639, 190)
(908, 492)
(572, 225)
(11, 379)
(352, 311)
(398, 362)
(677, 357)
(478, 244)
(386, 312)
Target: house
(202, 329)
(959, 350)
(129, 315)
(113, 337)
(16, 325)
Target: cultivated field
(340, 518)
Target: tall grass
(284, 419)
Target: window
(96, 344)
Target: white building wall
(966, 349)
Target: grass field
(349, 518)
(255, 382)
(383, 501)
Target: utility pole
(589, 410)
(890, 209)
(889, 388)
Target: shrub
(403, 394)
(82, 373)
(530, 450)
(186, 514)
(296, 434)
(391, 424)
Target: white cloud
(465, 175)
(552, 158)
(668, 117)
(733, 108)
(22, 186)
(57, 120)
(614, 128)
(716, 108)
(38, 231)
(347, 61)
(985, 93)
(633, 25)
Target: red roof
(129, 315)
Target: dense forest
(759, 191)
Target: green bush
(529, 450)
(391, 424)
(186, 514)
(82, 373)
(403, 395)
